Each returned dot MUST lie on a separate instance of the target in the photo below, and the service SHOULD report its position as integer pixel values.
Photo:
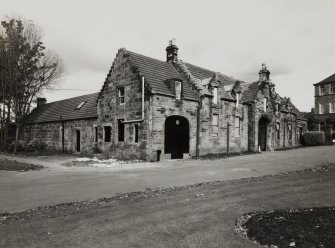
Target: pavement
(58, 183)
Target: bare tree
(28, 69)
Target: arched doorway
(176, 136)
(262, 133)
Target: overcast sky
(295, 38)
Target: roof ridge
(71, 98)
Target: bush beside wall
(314, 138)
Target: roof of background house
(156, 72)
(329, 79)
(65, 110)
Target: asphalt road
(200, 216)
(57, 183)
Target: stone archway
(262, 133)
(177, 138)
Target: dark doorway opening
(78, 140)
(176, 136)
(262, 133)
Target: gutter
(142, 119)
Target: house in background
(151, 110)
(324, 111)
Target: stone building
(324, 111)
(151, 110)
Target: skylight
(80, 105)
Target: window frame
(289, 129)
(215, 94)
(322, 90)
(278, 130)
(332, 107)
(237, 125)
(121, 97)
(215, 126)
(321, 108)
(332, 88)
(178, 93)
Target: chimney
(264, 74)
(41, 101)
(172, 52)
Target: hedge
(314, 138)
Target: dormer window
(177, 88)
(120, 93)
(215, 95)
(80, 105)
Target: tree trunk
(16, 138)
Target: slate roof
(329, 79)
(156, 72)
(65, 108)
(249, 91)
(201, 77)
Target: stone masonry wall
(50, 134)
(123, 74)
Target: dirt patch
(13, 165)
(312, 227)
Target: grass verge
(13, 165)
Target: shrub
(314, 138)
(36, 146)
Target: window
(237, 127)
(215, 95)
(107, 133)
(322, 127)
(120, 93)
(277, 107)
(120, 126)
(322, 90)
(95, 134)
(332, 107)
(215, 125)
(278, 130)
(237, 100)
(136, 133)
(332, 88)
(177, 87)
(321, 108)
(289, 128)
(265, 104)
(80, 105)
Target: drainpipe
(197, 142)
(228, 125)
(142, 119)
(63, 131)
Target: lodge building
(152, 110)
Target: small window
(177, 90)
(215, 95)
(322, 126)
(80, 105)
(289, 127)
(107, 133)
(265, 104)
(321, 108)
(95, 134)
(332, 88)
(332, 107)
(322, 90)
(215, 125)
(120, 125)
(237, 100)
(136, 133)
(120, 92)
(277, 107)
(278, 130)
(237, 127)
